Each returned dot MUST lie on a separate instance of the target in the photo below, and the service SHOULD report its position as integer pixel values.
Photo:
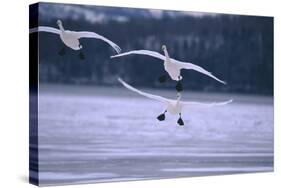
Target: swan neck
(166, 55)
(178, 98)
(61, 27)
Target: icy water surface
(97, 134)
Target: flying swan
(172, 106)
(71, 38)
(172, 67)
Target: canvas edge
(33, 97)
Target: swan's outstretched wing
(155, 97)
(185, 65)
(142, 52)
(199, 104)
(87, 34)
(45, 29)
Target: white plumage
(172, 67)
(71, 38)
(174, 107)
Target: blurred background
(237, 49)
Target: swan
(173, 107)
(172, 67)
(71, 38)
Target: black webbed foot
(179, 87)
(81, 55)
(62, 51)
(180, 121)
(162, 79)
(161, 117)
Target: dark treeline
(237, 49)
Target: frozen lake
(97, 134)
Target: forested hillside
(237, 49)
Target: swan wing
(87, 34)
(45, 29)
(155, 97)
(199, 104)
(142, 52)
(186, 65)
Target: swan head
(80, 46)
(59, 22)
(178, 96)
(164, 47)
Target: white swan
(71, 38)
(172, 67)
(172, 106)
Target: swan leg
(180, 121)
(81, 55)
(162, 78)
(62, 51)
(161, 117)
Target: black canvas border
(33, 96)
